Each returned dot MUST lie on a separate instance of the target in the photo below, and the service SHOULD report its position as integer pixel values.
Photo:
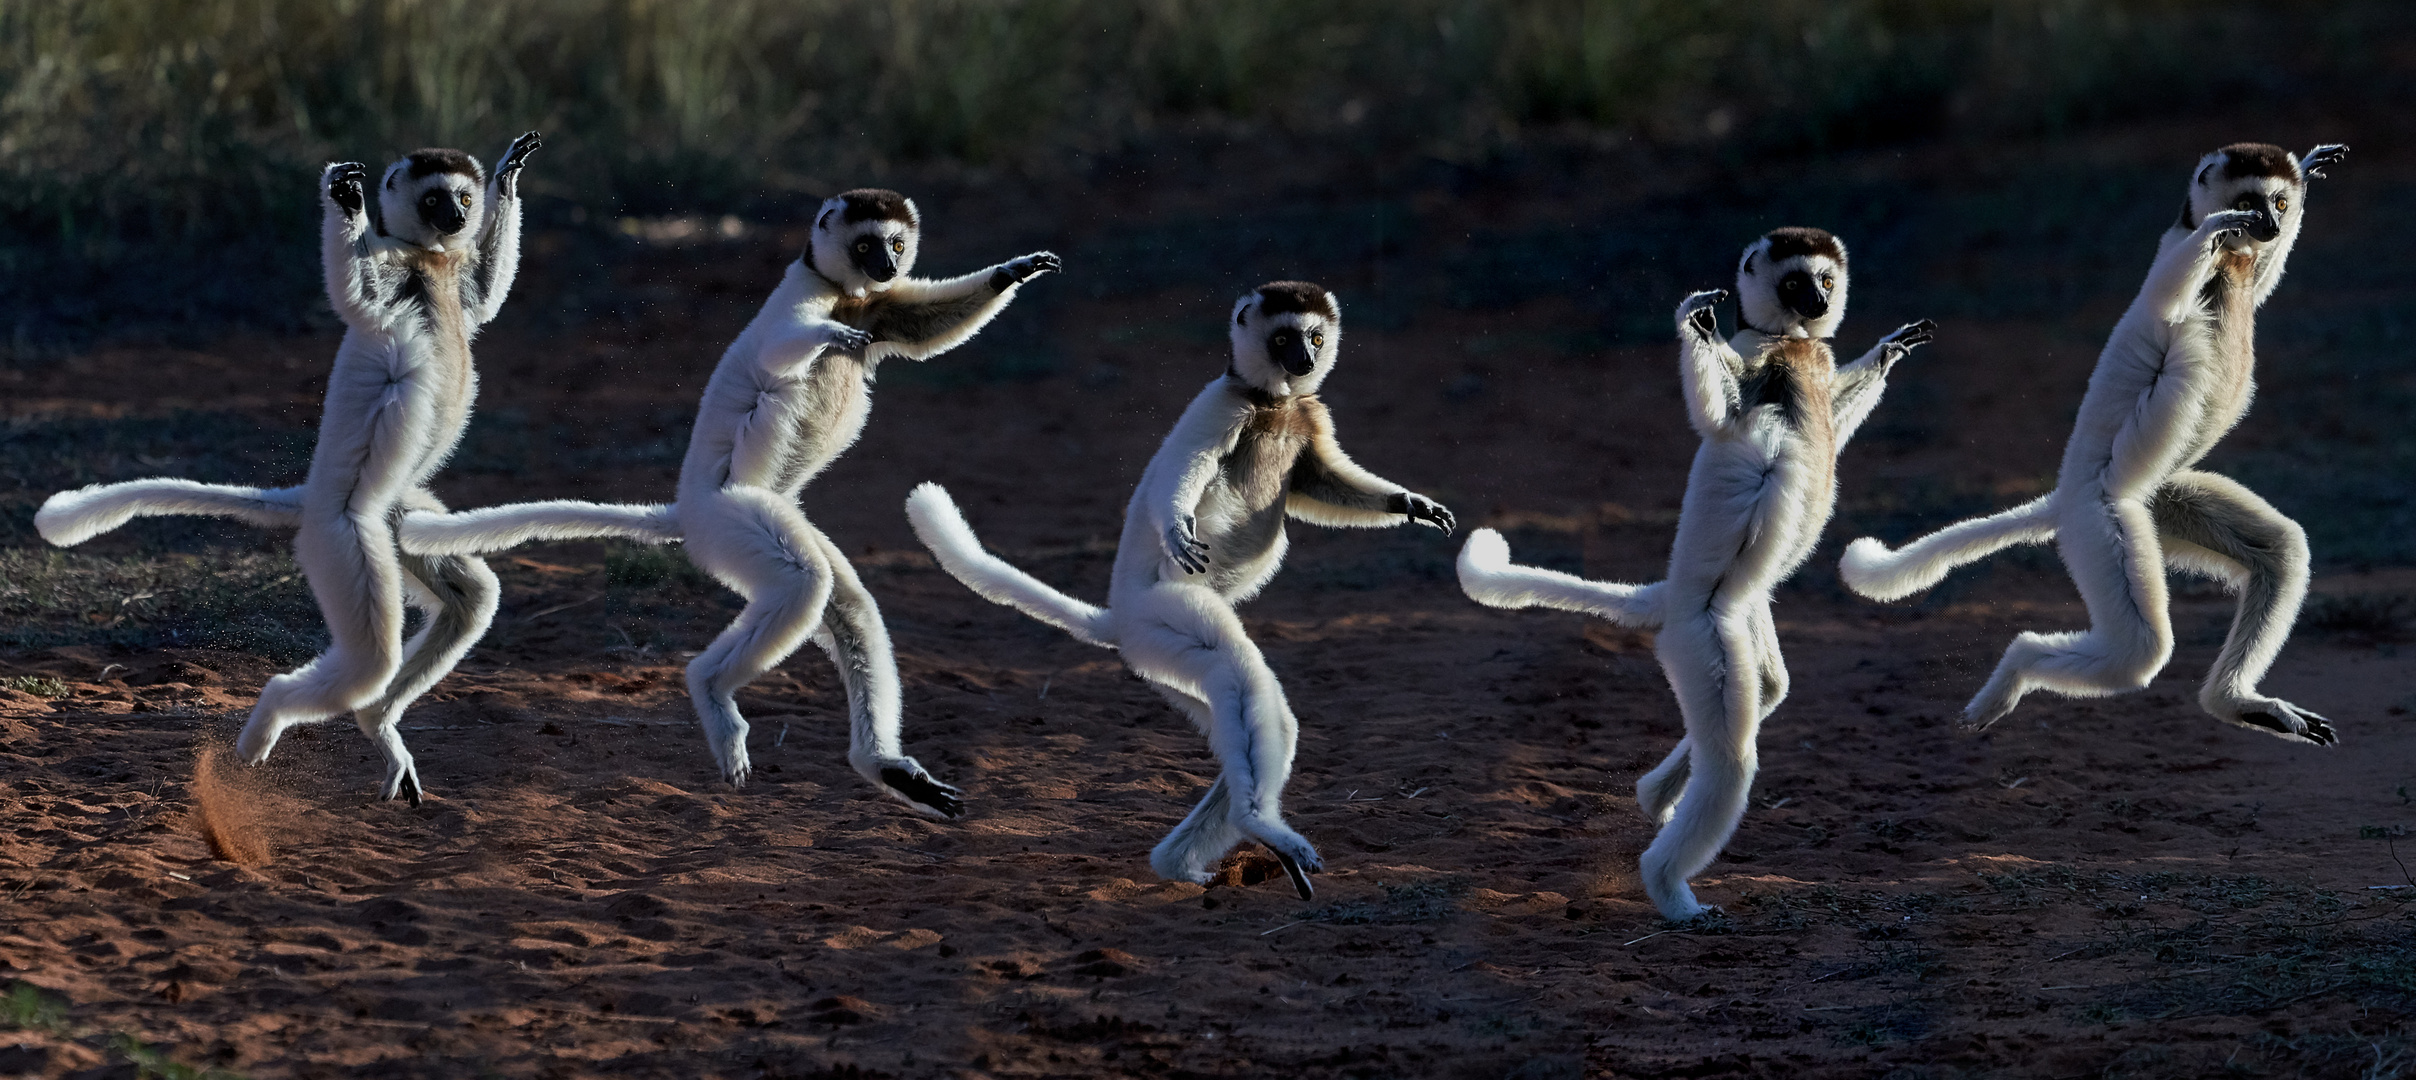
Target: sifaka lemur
(1205, 531)
(414, 266)
(788, 396)
(1774, 410)
(2129, 502)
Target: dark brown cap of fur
(1796, 240)
(2258, 159)
(439, 160)
(1295, 298)
(875, 204)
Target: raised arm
(357, 286)
(2181, 270)
(499, 236)
(1708, 368)
(1328, 488)
(918, 318)
(1860, 383)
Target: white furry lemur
(414, 268)
(1204, 532)
(788, 396)
(1773, 409)
(2175, 376)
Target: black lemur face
(876, 255)
(1295, 350)
(443, 210)
(1805, 294)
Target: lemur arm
(918, 318)
(1328, 488)
(2181, 270)
(355, 287)
(499, 237)
(1859, 384)
(1707, 367)
(1179, 474)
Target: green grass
(183, 137)
(41, 686)
(26, 1008)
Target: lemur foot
(908, 783)
(1695, 312)
(736, 767)
(1184, 546)
(848, 339)
(1424, 511)
(2283, 720)
(1300, 877)
(2321, 158)
(404, 785)
(345, 182)
(1986, 709)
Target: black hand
(345, 185)
(1912, 334)
(507, 171)
(1423, 510)
(1703, 319)
(848, 339)
(2321, 158)
(1184, 546)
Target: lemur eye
(898, 246)
(1317, 340)
(2245, 203)
(863, 245)
(2281, 203)
(465, 200)
(1827, 282)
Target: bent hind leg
(2118, 565)
(1711, 664)
(2217, 525)
(350, 564)
(459, 594)
(852, 635)
(759, 545)
(1208, 832)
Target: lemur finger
(517, 155)
(1300, 877)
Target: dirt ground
(2092, 888)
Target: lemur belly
(1765, 488)
(450, 378)
(2231, 340)
(1241, 515)
(799, 425)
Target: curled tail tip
(1484, 550)
(1867, 569)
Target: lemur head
(865, 239)
(1792, 283)
(433, 198)
(2256, 177)
(1286, 335)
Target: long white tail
(490, 529)
(72, 517)
(1874, 571)
(943, 530)
(1489, 577)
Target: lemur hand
(1424, 511)
(345, 182)
(2222, 225)
(2321, 158)
(1695, 312)
(1018, 271)
(507, 171)
(1184, 547)
(847, 339)
(1895, 346)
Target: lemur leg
(852, 634)
(459, 595)
(1723, 714)
(2215, 523)
(758, 544)
(351, 565)
(2118, 565)
(1185, 638)
(1657, 791)
(1208, 832)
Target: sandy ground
(2113, 887)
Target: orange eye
(465, 200)
(898, 246)
(2281, 203)
(1317, 340)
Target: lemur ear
(2205, 169)
(914, 216)
(822, 224)
(1746, 267)
(1241, 315)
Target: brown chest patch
(437, 278)
(1272, 437)
(2231, 300)
(1797, 375)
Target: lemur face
(1286, 336)
(865, 239)
(2262, 179)
(433, 198)
(1792, 283)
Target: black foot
(926, 791)
(2318, 730)
(409, 789)
(1300, 877)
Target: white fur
(1756, 500)
(2173, 378)
(786, 399)
(397, 402)
(1175, 624)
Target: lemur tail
(72, 517)
(1874, 571)
(490, 529)
(1489, 577)
(943, 530)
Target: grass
(174, 136)
(26, 1008)
(245, 601)
(41, 686)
